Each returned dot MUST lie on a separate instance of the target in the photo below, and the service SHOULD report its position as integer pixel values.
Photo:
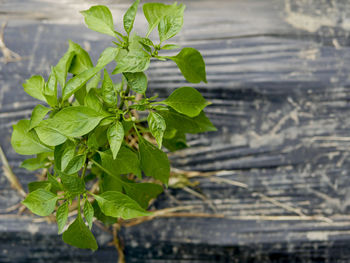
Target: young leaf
(41, 202)
(142, 192)
(170, 46)
(48, 135)
(79, 235)
(81, 60)
(62, 216)
(157, 126)
(50, 89)
(154, 162)
(108, 55)
(129, 17)
(108, 92)
(63, 66)
(73, 184)
(99, 18)
(55, 185)
(39, 184)
(35, 87)
(186, 100)
(127, 161)
(115, 135)
(185, 124)
(75, 164)
(63, 154)
(25, 141)
(171, 23)
(88, 213)
(137, 81)
(116, 204)
(191, 65)
(92, 101)
(75, 121)
(38, 115)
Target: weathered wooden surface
(278, 75)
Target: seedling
(89, 133)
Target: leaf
(129, 17)
(170, 46)
(38, 115)
(75, 164)
(116, 204)
(177, 142)
(136, 60)
(62, 216)
(50, 89)
(75, 121)
(79, 235)
(171, 23)
(137, 81)
(73, 184)
(32, 186)
(186, 100)
(25, 141)
(111, 183)
(99, 18)
(92, 101)
(48, 135)
(35, 163)
(107, 91)
(107, 220)
(88, 213)
(41, 202)
(168, 18)
(55, 185)
(63, 154)
(93, 83)
(191, 65)
(77, 82)
(142, 193)
(81, 60)
(127, 161)
(35, 87)
(154, 162)
(98, 137)
(115, 135)
(185, 124)
(157, 126)
(63, 66)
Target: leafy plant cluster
(90, 130)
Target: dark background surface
(278, 78)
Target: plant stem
(116, 241)
(121, 105)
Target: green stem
(121, 105)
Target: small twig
(10, 175)
(200, 196)
(9, 55)
(117, 244)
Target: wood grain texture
(278, 78)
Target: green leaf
(77, 82)
(137, 81)
(99, 18)
(168, 18)
(55, 185)
(32, 186)
(25, 141)
(186, 100)
(142, 193)
(191, 65)
(154, 162)
(63, 154)
(177, 142)
(41, 202)
(38, 115)
(116, 204)
(136, 60)
(127, 161)
(98, 137)
(170, 46)
(48, 135)
(63, 66)
(157, 126)
(79, 235)
(88, 213)
(107, 90)
(81, 60)
(129, 17)
(62, 216)
(73, 184)
(93, 83)
(115, 135)
(110, 183)
(35, 163)
(107, 220)
(92, 101)
(35, 87)
(185, 124)
(75, 121)
(75, 164)
(50, 89)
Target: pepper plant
(100, 142)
